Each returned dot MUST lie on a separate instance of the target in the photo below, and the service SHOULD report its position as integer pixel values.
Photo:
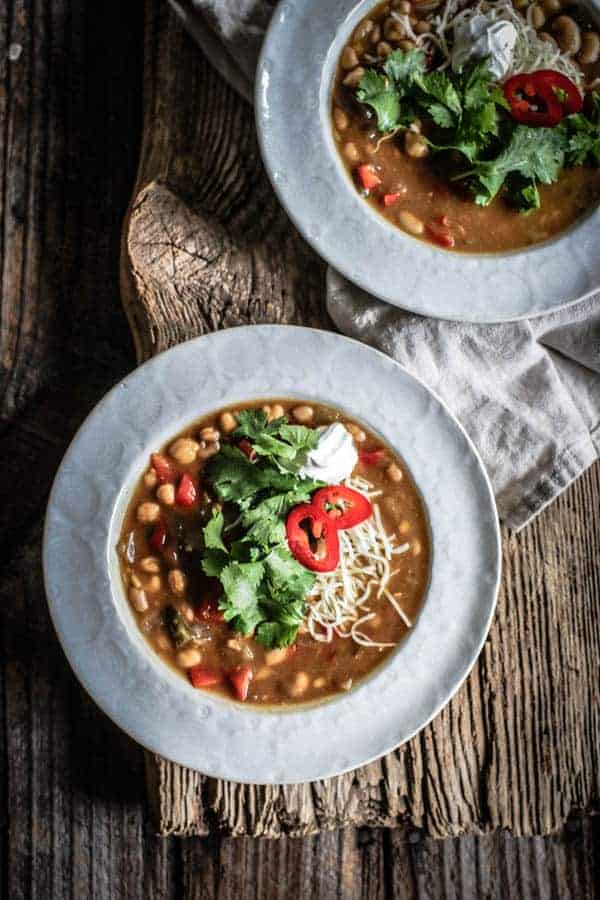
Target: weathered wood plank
(206, 246)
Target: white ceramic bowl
(293, 100)
(98, 631)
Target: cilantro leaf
(440, 115)
(286, 444)
(276, 634)
(213, 562)
(287, 578)
(404, 66)
(537, 154)
(583, 135)
(241, 582)
(439, 86)
(380, 94)
(213, 532)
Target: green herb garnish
(264, 587)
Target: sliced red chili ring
(343, 506)
(541, 98)
(312, 538)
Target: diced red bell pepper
(187, 492)
(163, 468)
(440, 234)
(390, 199)
(203, 677)
(342, 505)
(247, 449)
(319, 551)
(208, 610)
(368, 177)
(158, 538)
(240, 679)
(371, 457)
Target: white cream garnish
(334, 457)
(479, 37)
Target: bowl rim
(437, 266)
(82, 642)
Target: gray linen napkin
(528, 393)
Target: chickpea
(567, 34)
(184, 450)
(150, 564)
(410, 222)
(206, 449)
(319, 682)
(263, 673)
(536, 16)
(353, 77)
(383, 49)
(135, 580)
(346, 684)
(177, 581)
(415, 145)
(357, 433)
(228, 422)
(422, 27)
(187, 612)
(148, 512)
(209, 434)
(551, 6)
(188, 657)
(276, 656)
(150, 478)
(277, 411)
(404, 526)
(162, 642)
(375, 35)
(340, 119)
(394, 472)
(349, 58)
(153, 584)
(303, 414)
(393, 30)
(351, 152)
(590, 48)
(402, 6)
(416, 548)
(299, 684)
(407, 45)
(166, 494)
(137, 598)
(364, 30)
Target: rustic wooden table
(73, 809)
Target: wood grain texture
(206, 246)
(74, 820)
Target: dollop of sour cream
(334, 457)
(479, 37)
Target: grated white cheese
(340, 601)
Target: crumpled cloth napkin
(528, 393)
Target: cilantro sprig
(264, 587)
(468, 114)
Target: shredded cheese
(340, 602)
(531, 53)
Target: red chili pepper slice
(342, 505)
(208, 610)
(565, 90)
(390, 199)
(240, 679)
(247, 449)
(368, 177)
(541, 98)
(319, 552)
(158, 538)
(203, 677)
(441, 234)
(163, 468)
(187, 492)
(371, 457)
